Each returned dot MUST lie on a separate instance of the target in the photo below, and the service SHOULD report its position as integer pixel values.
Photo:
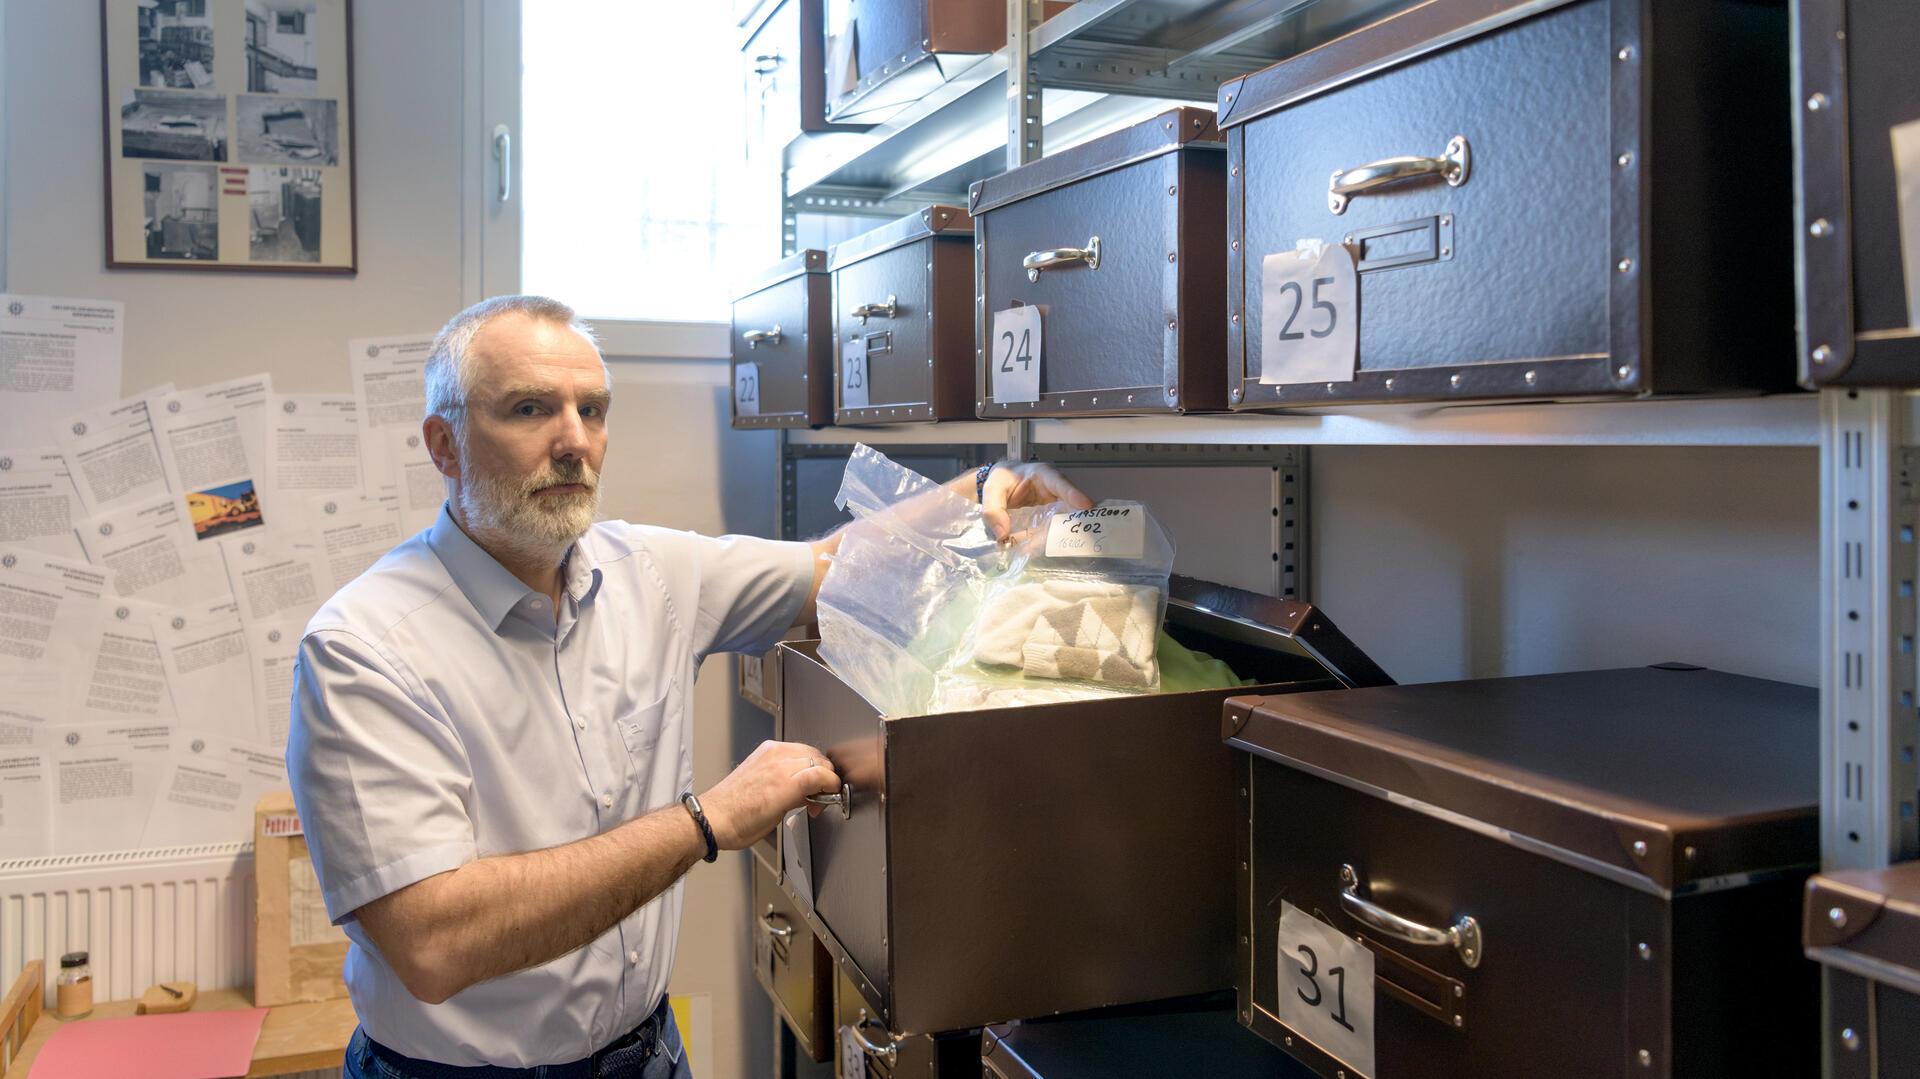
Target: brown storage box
(954, 1055)
(1010, 863)
(1140, 325)
(789, 962)
(782, 325)
(783, 65)
(1605, 868)
(1574, 233)
(906, 288)
(1853, 83)
(1863, 926)
(903, 49)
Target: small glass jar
(74, 992)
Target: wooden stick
(19, 1011)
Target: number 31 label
(1015, 355)
(1309, 303)
(1326, 988)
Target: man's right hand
(774, 780)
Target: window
(637, 200)
(292, 22)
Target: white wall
(673, 461)
(1457, 562)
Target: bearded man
(490, 746)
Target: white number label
(1108, 530)
(1015, 354)
(1308, 301)
(746, 389)
(853, 373)
(853, 1059)
(1326, 988)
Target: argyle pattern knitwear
(1073, 629)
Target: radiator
(172, 913)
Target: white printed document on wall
(389, 385)
(203, 649)
(57, 356)
(38, 503)
(207, 788)
(104, 778)
(113, 454)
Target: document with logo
(104, 778)
(352, 536)
(313, 448)
(57, 356)
(388, 383)
(417, 480)
(26, 820)
(271, 578)
(112, 453)
(207, 789)
(203, 649)
(213, 457)
(271, 648)
(123, 676)
(38, 502)
(48, 610)
(146, 546)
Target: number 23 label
(1326, 988)
(1309, 329)
(1016, 355)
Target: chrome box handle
(753, 338)
(1462, 936)
(777, 926)
(1453, 166)
(877, 310)
(844, 800)
(889, 1053)
(1062, 256)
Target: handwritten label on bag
(853, 1058)
(853, 373)
(1108, 530)
(1014, 354)
(1326, 988)
(1309, 308)
(746, 389)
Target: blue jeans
(666, 1060)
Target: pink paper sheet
(189, 1045)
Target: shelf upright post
(1867, 665)
(1025, 130)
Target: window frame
(492, 261)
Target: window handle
(503, 153)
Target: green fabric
(1182, 670)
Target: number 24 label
(1016, 354)
(1326, 988)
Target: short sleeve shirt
(441, 714)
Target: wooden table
(294, 1038)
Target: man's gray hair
(449, 376)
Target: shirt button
(633, 957)
(580, 724)
(606, 801)
(539, 603)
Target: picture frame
(227, 135)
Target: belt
(632, 1048)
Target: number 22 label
(1326, 988)
(1016, 355)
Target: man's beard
(507, 513)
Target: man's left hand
(1014, 485)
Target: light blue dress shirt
(442, 714)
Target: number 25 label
(1016, 355)
(1309, 330)
(1326, 988)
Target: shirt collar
(487, 584)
